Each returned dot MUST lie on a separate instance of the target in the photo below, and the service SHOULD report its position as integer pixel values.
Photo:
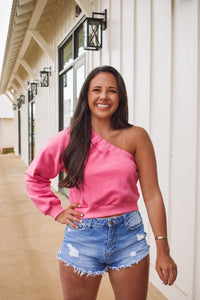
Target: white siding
(16, 132)
(6, 133)
(24, 132)
(183, 141)
(196, 280)
(154, 45)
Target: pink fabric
(110, 179)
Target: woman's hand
(69, 214)
(166, 268)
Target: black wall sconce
(92, 31)
(32, 87)
(19, 103)
(44, 77)
(22, 98)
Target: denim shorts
(101, 244)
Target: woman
(103, 156)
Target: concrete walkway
(29, 243)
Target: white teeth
(102, 105)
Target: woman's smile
(103, 106)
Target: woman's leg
(131, 283)
(76, 287)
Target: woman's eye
(113, 91)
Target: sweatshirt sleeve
(45, 166)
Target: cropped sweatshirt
(110, 179)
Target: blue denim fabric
(99, 244)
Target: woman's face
(103, 97)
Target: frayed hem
(123, 266)
(128, 265)
(81, 271)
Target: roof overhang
(28, 21)
(21, 14)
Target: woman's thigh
(78, 287)
(131, 283)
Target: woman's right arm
(45, 166)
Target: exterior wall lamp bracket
(22, 98)
(44, 77)
(32, 87)
(18, 103)
(92, 31)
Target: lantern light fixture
(32, 87)
(44, 77)
(22, 98)
(92, 31)
(19, 103)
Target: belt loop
(89, 222)
(124, 216)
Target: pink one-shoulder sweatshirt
(110, 179)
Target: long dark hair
(75, 155)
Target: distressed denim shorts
(101, 244)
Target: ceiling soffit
(29, 20)
(19, 19)
(24, 19)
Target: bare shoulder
(135, 137)
(136, 134)
(130, 137)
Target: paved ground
(29, 242)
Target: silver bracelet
(160, 238)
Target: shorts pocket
(133, 220)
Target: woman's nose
(103, 95)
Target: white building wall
(196, 232)
(6, 133)
(155, 46)
(16, 133)
(24, 132)
(183, 141)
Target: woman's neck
(102, 126)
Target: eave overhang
(29, 20)
(26, 20)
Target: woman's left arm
(147, 171)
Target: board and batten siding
(156, 47)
